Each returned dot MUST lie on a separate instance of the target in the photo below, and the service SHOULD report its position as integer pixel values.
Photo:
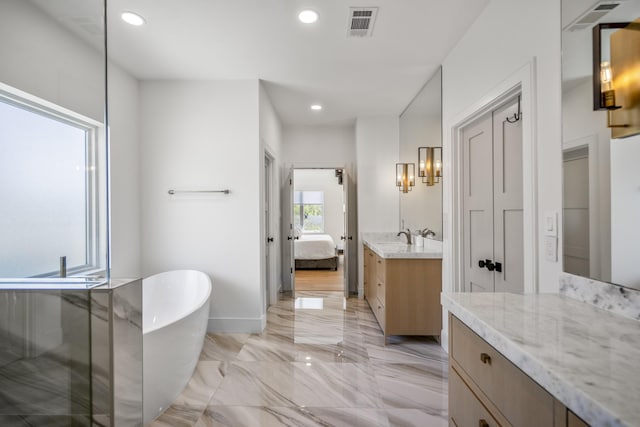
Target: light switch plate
(551, 223)
(551, 248)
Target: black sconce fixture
(430, 164)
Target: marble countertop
(586, 357)
(389, 245)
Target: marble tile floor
(321, 361)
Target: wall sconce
(405, 176)
(430, 164)
(603, 90)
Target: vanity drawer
(380, 289)
(378, 309)
(466, 409)
(574, 421)
(381, 269)
(520, 399)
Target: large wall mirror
(420, 128)
(53, 175)
(601, 146)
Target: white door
(348, 238)
(492, 202)
(268, 231)
(507, 200)
(477, 140)
(292, 236)
(575, 212)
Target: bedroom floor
(319, 362)
(321, 280)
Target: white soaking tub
(175, 311)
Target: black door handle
(269, 239)
(342, 238)
(499, 267)
(490, 265)
(289, 237)
(350, 237)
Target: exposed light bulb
(316, 107)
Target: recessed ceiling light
(316, 107)
(308, 16)
(132, 18)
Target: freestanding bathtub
(175, 309)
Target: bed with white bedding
(315, 251)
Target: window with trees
(308, 211)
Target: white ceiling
(301, 64)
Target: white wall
(508, 35)
(324, 180)
(313, 146)
(124, 125)
(422, 206)
(580, 124)
(377, 146)
(46, 60)
(625, 205)
(271, 143)
(321, 146)
(205, 135)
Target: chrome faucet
(429, 234)
(406, 233)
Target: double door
(492, 201)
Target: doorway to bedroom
(318, 218)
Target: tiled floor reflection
(320, 362)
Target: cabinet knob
(379, 284)
(486, 359)
(379, 262)
(483, 423)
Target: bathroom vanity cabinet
(485, 389)
(404, 293)
(529, 360)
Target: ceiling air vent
(593, 15)
(361, 20)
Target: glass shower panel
(45, 359)
(53, 139)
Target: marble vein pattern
(614, 298)
(321, 361)
(586, 357)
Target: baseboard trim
(444, 340)
(246, 325)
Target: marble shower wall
(116, 328)
(72, 357)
